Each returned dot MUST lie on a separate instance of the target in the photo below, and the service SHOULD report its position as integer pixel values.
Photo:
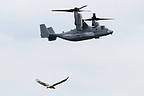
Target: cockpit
(102, 27)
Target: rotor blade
(73, 10)
(87, 19)
(104, 19)
(70, 10)
(97, 19)
(83, 6)
(84, 11)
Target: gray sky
(110, 66)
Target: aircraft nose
(110, 32)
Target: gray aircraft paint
(82, 31)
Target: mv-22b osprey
(82, 30)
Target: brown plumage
(50, 86)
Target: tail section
(44, 31)
(47, 32)
(50, 29)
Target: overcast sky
(109, 66)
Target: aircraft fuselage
(86, 34)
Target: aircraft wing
(85, 25)
(42, 83)
(60, 82)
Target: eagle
(50, 86)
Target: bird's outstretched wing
(42, 83)
(60, 82)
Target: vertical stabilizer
(44, 31)
(52, 36)
(50, 29)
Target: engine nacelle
(78, 22)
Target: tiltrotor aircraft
(82, 30)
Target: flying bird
(50, 86)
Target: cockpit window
(102, 27)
